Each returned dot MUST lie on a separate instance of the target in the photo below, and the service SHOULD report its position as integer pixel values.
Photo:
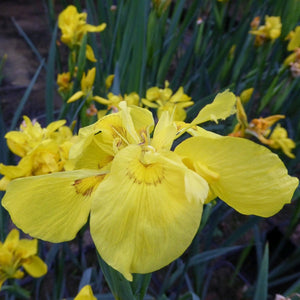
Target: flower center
(144, 170)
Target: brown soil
(22, 63)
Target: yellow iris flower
(271, 30)
(294, 39)
(144, 198)
(87, 85)
(73, 26)
(42, 150)
(86, 293)
(16, 253)
(64, 82)
(279, 140)
(113, 100)
(293, 60)
(165, 100)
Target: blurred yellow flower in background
(246, 95)
(113, 100)
(64, 82)
(271, 30)
(293, 60)
(164, 100)
(279, 140)
(294, 39)
(109, 80)
(15, 254)
(73, 26)
(42, 150)
(87, 85)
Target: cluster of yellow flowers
(42, 150)
(261, 129)
(159, 99)
(16, 253)
(144, 197)
(271, 30)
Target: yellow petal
(92, 28)
(290, 59)
(295, 40)
(90, 54)
(55, 125)
(52, 207)
(101, 100)
(88, 80)
(35, 267)
(4, 181)
(76, 96)
(17, 142)
(142, 120)
(27, 248)
(221, 108)
(128, 125)
(85, 293)
(12, 239)
(164, 133)
(180, 96)
(252, 179)
(109, 80)
(146, 212)
(149, 103)
(97, 142)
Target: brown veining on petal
(149, 174)
(86, 186)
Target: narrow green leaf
(211, 254)
(85, 278)
(261, 290)
(118, 285)
(25, 98)
(50, 78)
(28, 40)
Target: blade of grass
(49, 96)
(25, 97)
(261, 290)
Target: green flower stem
(121, 288)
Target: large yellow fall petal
(52, 207)
(221, 108)
(151, 216)
(251, 178)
